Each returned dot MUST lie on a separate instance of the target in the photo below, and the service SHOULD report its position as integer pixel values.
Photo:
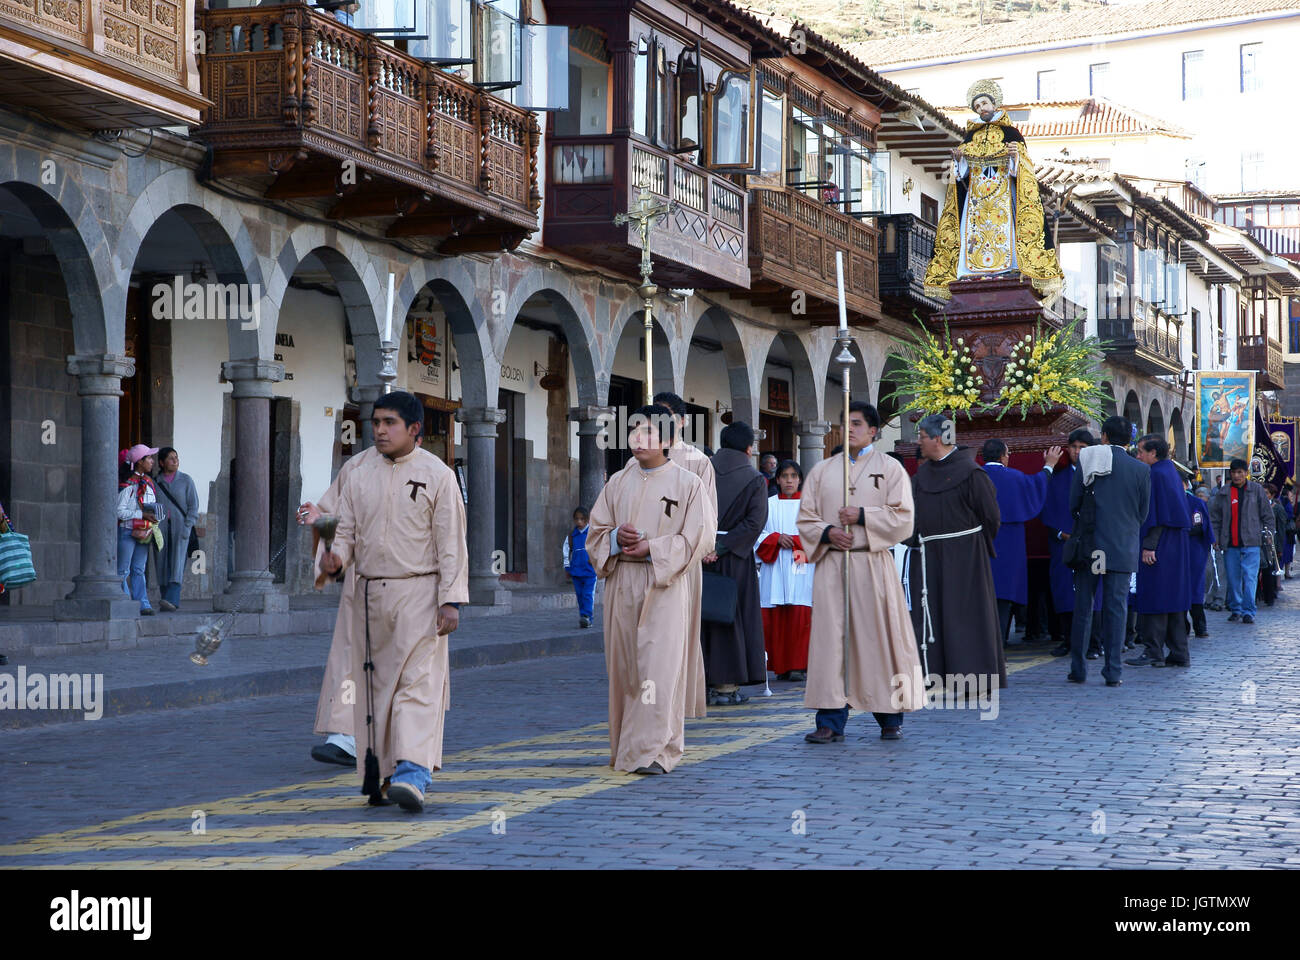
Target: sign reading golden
(992, 223)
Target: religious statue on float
(992, 223)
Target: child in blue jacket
(578, 567)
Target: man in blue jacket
(1163, 591)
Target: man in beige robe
(883, 671)
(338, 690)
(651, 524)
(402, 525)
(693, 459)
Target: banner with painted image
(1266, 464)
(1282, 433)
(1225, 417)
(427, 356)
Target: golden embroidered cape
(996, 205)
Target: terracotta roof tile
(1104, 21)
(1081, 118)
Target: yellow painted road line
(413, 832)
(769, 720)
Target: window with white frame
(1097, 76)
(1046, 84)
(1193, 74)
(1251, 67)
(1252, 170)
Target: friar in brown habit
(954, 604)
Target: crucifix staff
(645, 210)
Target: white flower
(960, 341)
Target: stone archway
(1179, 446)
(715, 336)
(1155, 418)
(56, 336)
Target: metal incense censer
(208, 638)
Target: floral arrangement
(936, 375)
(1047, 369)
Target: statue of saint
(992, 223)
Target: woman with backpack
(138, 516)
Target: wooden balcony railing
(792, 242)
(702, 244)
(1263, 354)
(1153, 344)
(295, 90)
(102, 64)
(906, 248)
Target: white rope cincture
(926, 621)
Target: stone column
(812, 442)
(365, 397)
(98, 594)
(480, 433)
(597, 429)
(252, 587)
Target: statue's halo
(984, 88)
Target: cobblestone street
(1174, 768)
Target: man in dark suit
(1109, 499)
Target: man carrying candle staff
(651, 525)
(877, 667)
(402, 525)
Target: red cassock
(785, 587)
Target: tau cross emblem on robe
(416, 486)
(876, 478)
(668, 506)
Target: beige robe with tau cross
(649, 606)
(402, 526)
(883, 665)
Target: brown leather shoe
(823, 735)
(891, 733)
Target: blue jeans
(132, 555)
(171, 592)
(1114, 620)
(414, 774)
(838, 719)
(1242, 564)
(585, 588)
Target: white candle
(839, 287)
(388, 313)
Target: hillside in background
(848, 21)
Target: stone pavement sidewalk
(161, 675)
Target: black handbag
(719, 598)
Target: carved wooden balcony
(100, 64)
(307, 109)
(1150, 345)
(590, 179)
(1264, 355)
(906, 249)
(792, 243)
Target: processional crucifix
(642, 212)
